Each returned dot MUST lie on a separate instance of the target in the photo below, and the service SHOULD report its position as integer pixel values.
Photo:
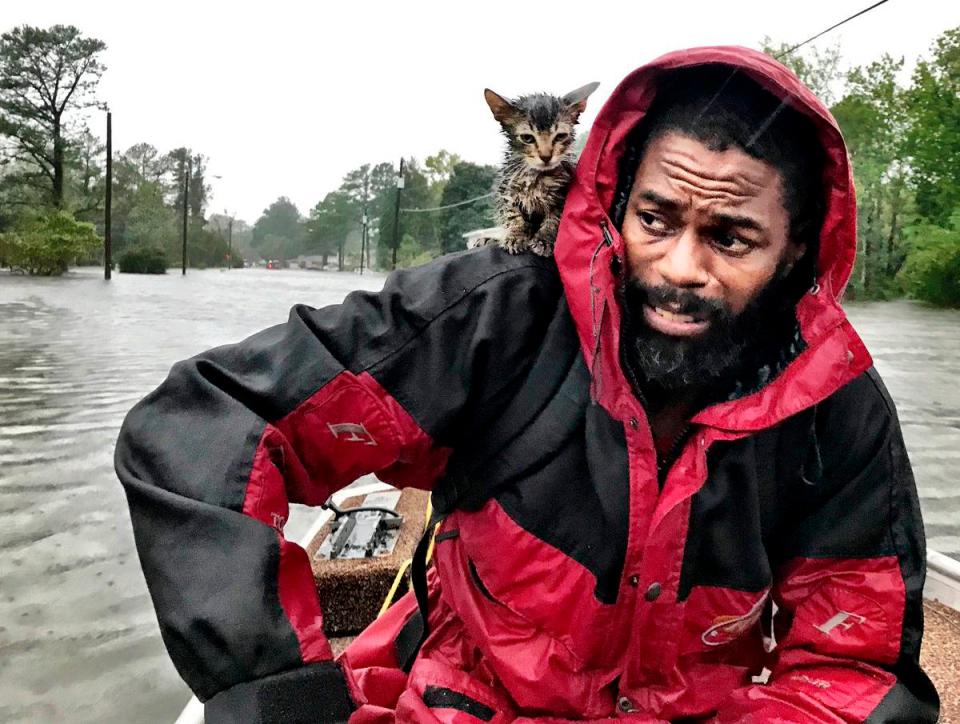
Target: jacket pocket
(438, 692)
(478, 583)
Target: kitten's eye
(527, 138)
(561, 137)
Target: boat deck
(940, 657)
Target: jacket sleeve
(850, 591)
(384, 383)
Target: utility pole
(363, 236)
(107, 239)
(396, 217)
(188, 167)
(229, 237)
(363, 218)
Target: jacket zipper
(671, 455)
(666, 460)
(605, 230)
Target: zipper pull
(607, 236)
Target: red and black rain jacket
(581, 590)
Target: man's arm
(383, 383)
(850, 593)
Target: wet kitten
(538, 166)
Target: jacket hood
(589, 249)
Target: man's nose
(682, 263)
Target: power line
(780, 56)
(832, 27)
(448, 206)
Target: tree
(44, 74)
(874, 122)
(329, 223)
(932, 269)
(818, 69)
(86, 157)
(278, 233)
(933, 140)
(199, 189)
(439, 167)
(420, 226)
(360, 185)
(183, 162)
(148, 163)
(467, 180)
(150, 222)
(236, 234)
(383, 190)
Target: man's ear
(576, 100)
(502, 109)
(795, 252)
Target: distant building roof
(494, 232)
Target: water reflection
(78, 638)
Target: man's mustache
(680, 301)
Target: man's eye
(652, 222)
(732, 244)
(527, 138)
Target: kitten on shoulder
(538, 165)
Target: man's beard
(731, 345)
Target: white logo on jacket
(844, 619)
(729, 628)
(355, 430)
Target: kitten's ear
(576, 100)
(502, 109)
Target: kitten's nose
(546, 159)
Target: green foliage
(144, 260)
(206, 248)
(278, 233)
(818, 69)
(441, 180)
(932, 268)
(329, 224)
(148, 221)
(467, 181)
(411, 253)
(417, 194)
(47, 244)
(234, 235)
(933, 140)
(439, 167)
(874, 120)
(45, 74)
(904, 143)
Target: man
(701, 435)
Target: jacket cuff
(314, 693)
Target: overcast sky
(285, 97)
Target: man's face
(707, 241)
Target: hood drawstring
(597, 313)
(811, 470)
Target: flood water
(78, 637)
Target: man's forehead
(677, 170)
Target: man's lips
(673, 323)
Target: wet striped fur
(538, 165)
